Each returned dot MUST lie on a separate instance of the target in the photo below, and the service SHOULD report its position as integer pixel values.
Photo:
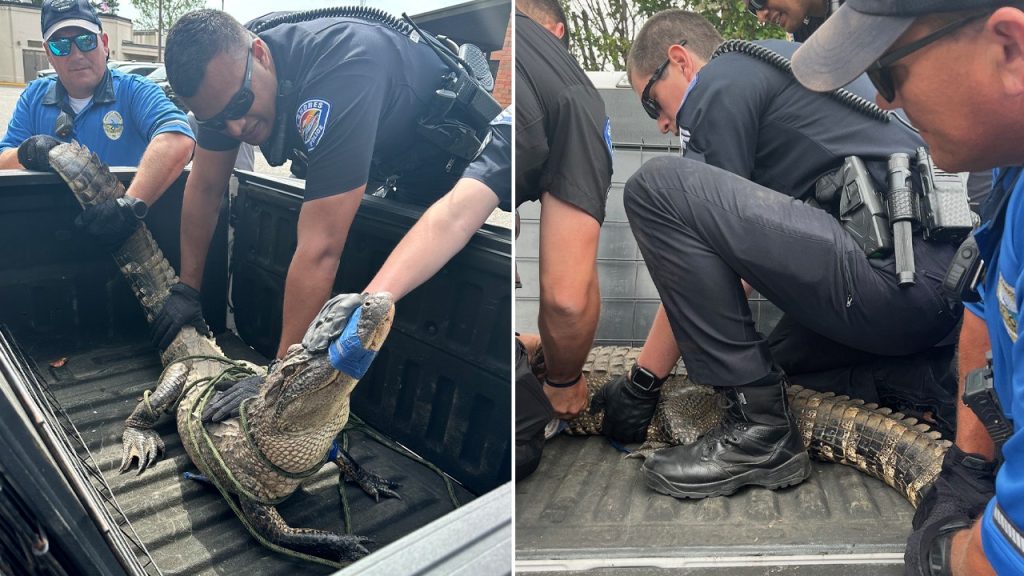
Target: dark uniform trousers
(848, 326)
(533, 412)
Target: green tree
(601, 31)
(150, 11)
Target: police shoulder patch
(311, 121)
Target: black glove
(227, 403)
(964, 486)
(958, 496)
(182, 308)
(110, 223)
(628, 406)
(34, 153)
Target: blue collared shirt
(126, 112)
(1001, 291)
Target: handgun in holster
(980, 396)
(861, 210)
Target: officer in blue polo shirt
(124, 119)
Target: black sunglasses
(753, 6)
(62, 46)
(239, 104)
(879, 72)
(651, 106)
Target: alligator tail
(140, 259)
(900, 451)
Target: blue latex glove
(347, 352)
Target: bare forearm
(568, 331)
(660, 352)
(321, 234)
(971, 435)
(199, 213)
(307, 287)
(9, 159)
(441, 232)
(570, 296)
(161, 165)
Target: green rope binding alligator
(898, 450)
(284, 434)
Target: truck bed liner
(186, 526)
(587, 507)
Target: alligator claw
(375, 486)
(350, 547)
(142, 445)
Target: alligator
(283, 435)
(900, 451)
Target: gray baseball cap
(860, 32)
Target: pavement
(9, 99)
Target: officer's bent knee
(645, 181)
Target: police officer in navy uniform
(755, 144)
(563, 159)
(798, 17)
(343, 98)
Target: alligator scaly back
(886, 445)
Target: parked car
(159, 76)
(112, 64)
(140, 68)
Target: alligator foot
(371, 483)
(266, 521)
(139, 444)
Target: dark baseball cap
(860, 32)
(58, 14)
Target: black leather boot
(756, 444)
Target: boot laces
(725, 432)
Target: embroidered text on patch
(311, 120)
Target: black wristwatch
(138, 207)
(644, 379)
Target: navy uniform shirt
(563, 137)
(359, 89)
(493, 166)
(755, 120)
(812, 23)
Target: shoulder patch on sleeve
(311, 120)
